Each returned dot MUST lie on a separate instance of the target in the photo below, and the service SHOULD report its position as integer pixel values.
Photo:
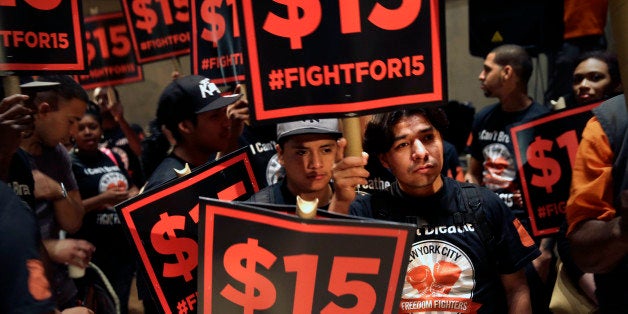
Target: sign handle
(352, 132)
(11, 85)
(618, 16)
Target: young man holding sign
(469, 251)
(306, 149)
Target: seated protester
(306, 150)
(596, 77)
(469, 251)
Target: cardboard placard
(42, 35)
(545, 151)
(325, 58)
(163, 224)
(258, 260)
(159, 29)
(110, 54)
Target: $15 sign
(147, 17)
(539, 157)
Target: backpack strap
(474, 213)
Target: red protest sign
(41, 35)
(159, 29)
(327, 57)
(279, 263)
(109, 52)
(163, 225)
(545, 151)
(216, 42)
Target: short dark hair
(94, 110)
(517, 58)
(379, 136)
(67, 89)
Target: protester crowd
(68, 160)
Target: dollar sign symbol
(165, 241)
(148, 17)
(215, 20)
(549, 167)
(259, 292)
(295, 27)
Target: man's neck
(515, 102)
(323, 196)
(32, 145)
(193, 157)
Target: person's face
(54, 127)
(491, 77)
(88, 133)
(416, 156)
(308, 160)
(211, 132)
(591, 81)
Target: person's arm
(134, 140)
(608, 239)
(68, 208)
(347, 174)
(474, 171)
(595, 225)
(238, 113)
(71, 251)
(517, 292)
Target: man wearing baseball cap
(194, 111)
(306, 149)
(204, 124)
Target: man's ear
(185, 127)
(507, 72)
(279, 154)
(384, 160)
(44, 107)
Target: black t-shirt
(96, 174)
(24, 287)
(119, 144)
(492, 146)
(21, 178)
(260, 140)
(451, 268)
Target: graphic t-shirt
(451, 269)
(96, 174)
(493, 147)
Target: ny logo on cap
(207, 87)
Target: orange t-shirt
(583, 18)
(591, 192)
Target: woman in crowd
(103, 183)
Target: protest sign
(545, 151)
(258, 260)
(159, 29)
(41, 35)
(163, 225)
(317, 58)
(216, 42)
(109, 52)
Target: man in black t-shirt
(469, 253)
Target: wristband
(64, 192)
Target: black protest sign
(159, 29)
(545, 150)
(216, 42)
(318, 58)
(163, 225)
(41, 35)
(109, 52)
(255, 260)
